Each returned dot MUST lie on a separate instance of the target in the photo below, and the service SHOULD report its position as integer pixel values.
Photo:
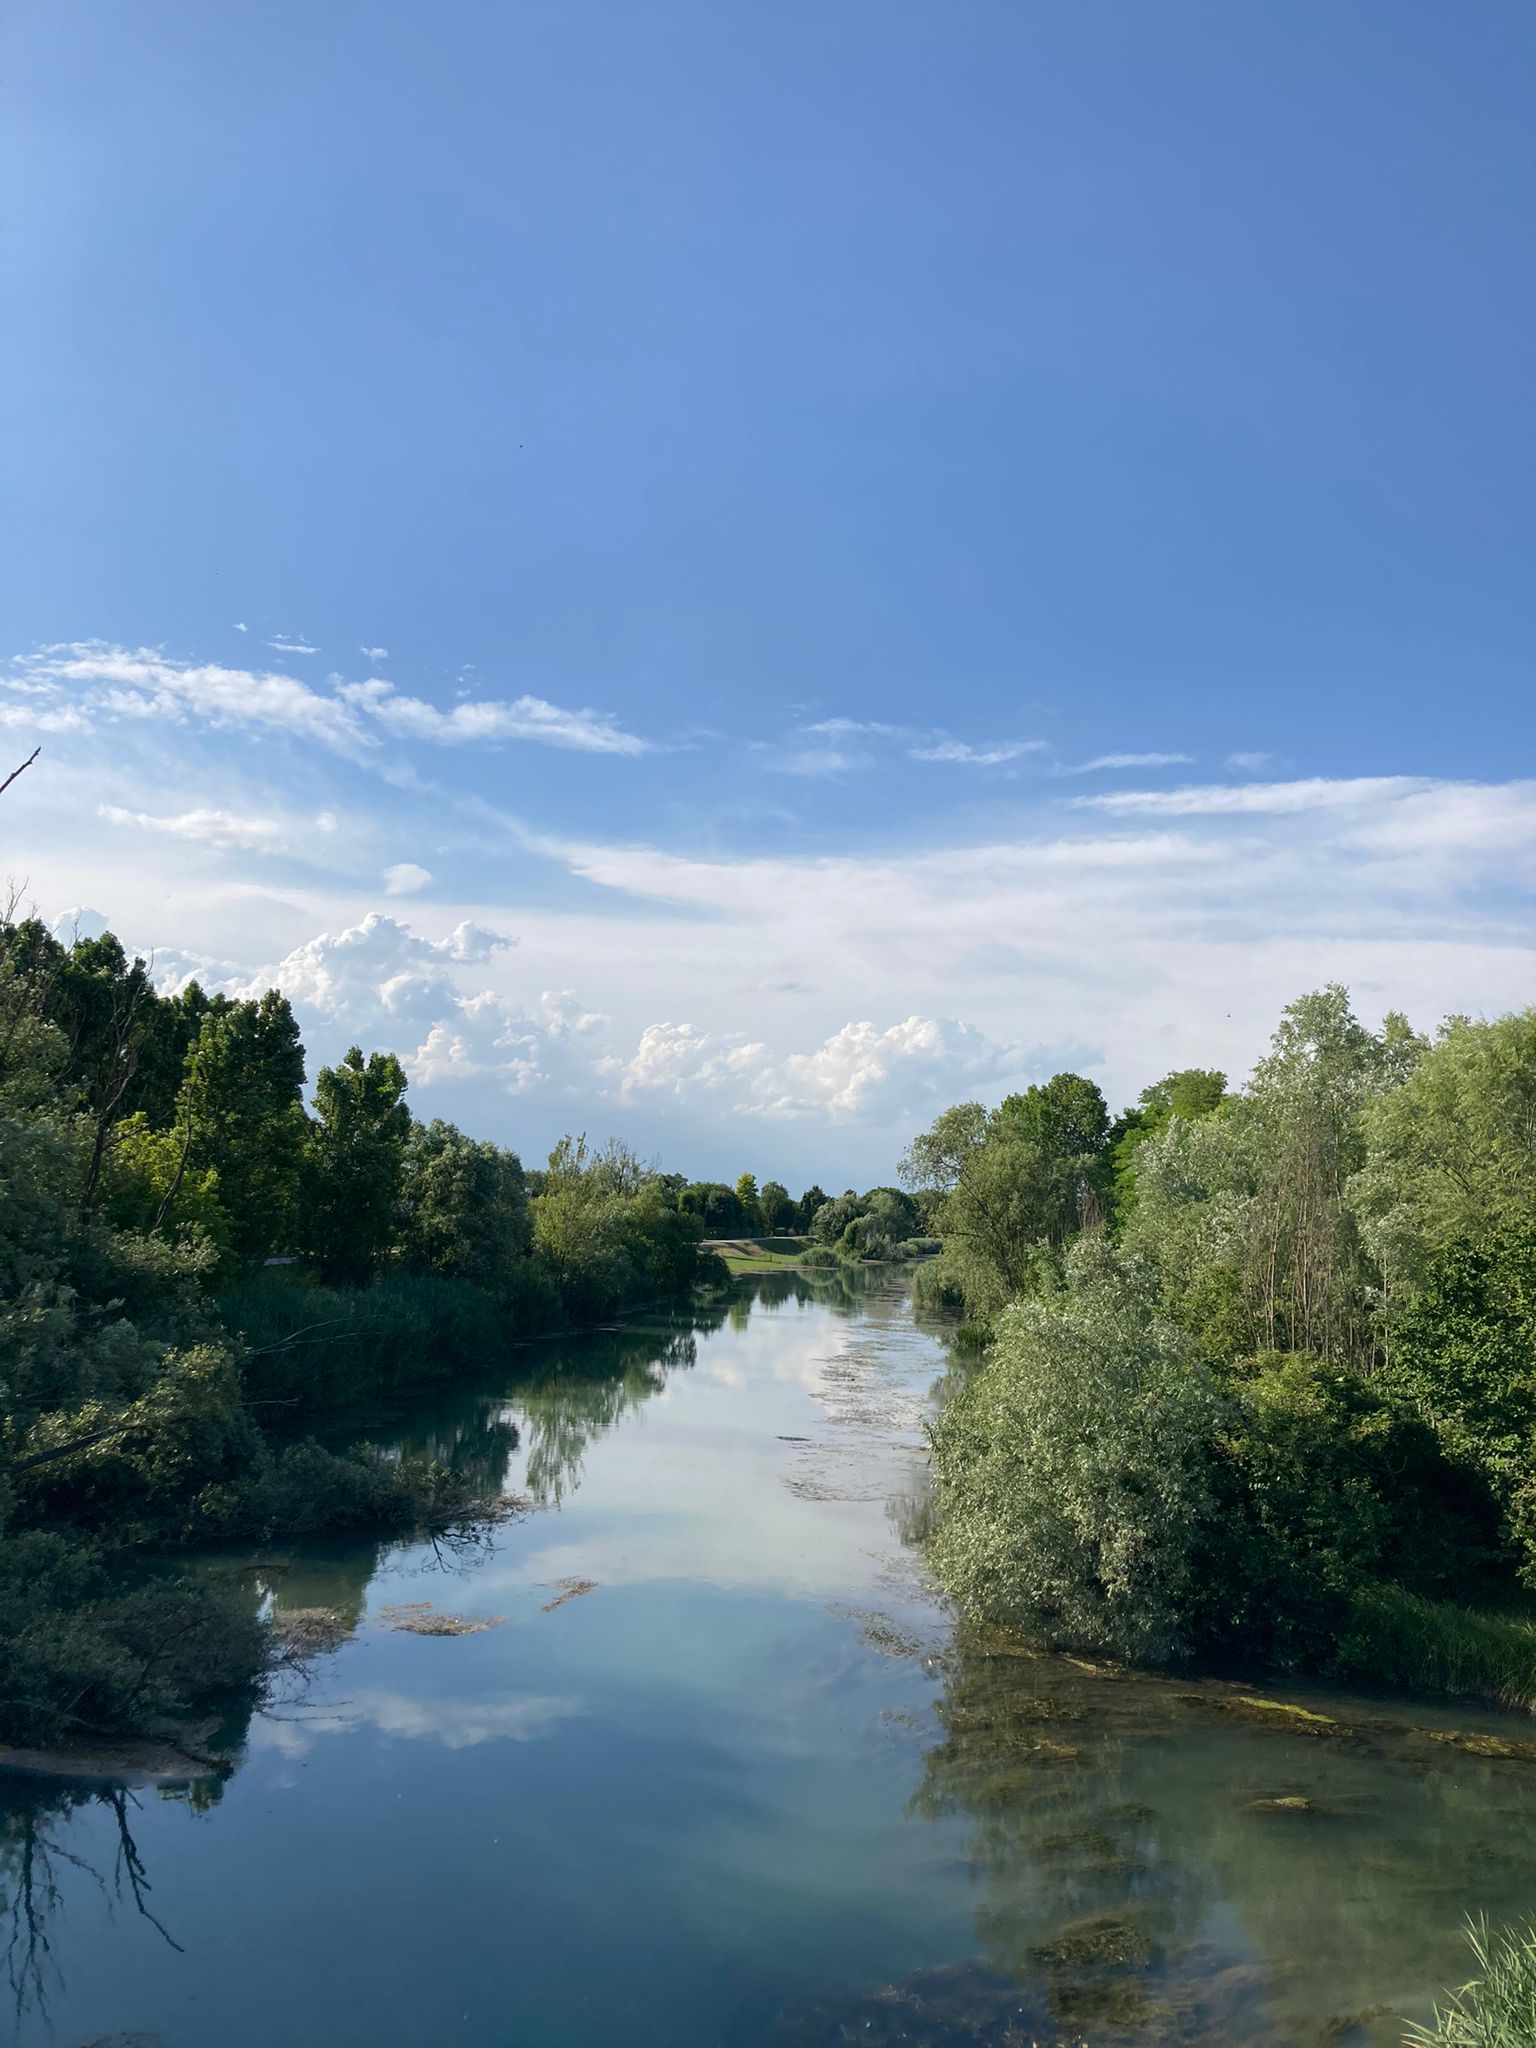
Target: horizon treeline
(196, 1266)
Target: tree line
(197, 1265)
(1256, 1376)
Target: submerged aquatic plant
(1497, 2008)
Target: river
(719, 1770)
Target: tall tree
(775, 1206)
(356, 1161)
(241, 1112)
(463, 1206)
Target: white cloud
(815, 763)
(241, 627)
(455, 1723)
(1249, 764)
(490, 719)
(859, 1072)
(79, 922)
(833, 728)
(405, 878)
(375, 653)
(378, 975)
(223, 829)
(1310, 794)
(285, 645)
(81, 684)
(1129, 761)
(103, 683)
(992, 756)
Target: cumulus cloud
(374, 653)
(859, 1073)
(405, 878)
(378, 975)
(222, 829)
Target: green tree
(1189, 1093)
(355, 1164)
(241, 1113)
(1451, 1151)
(807, 1206)
(939, 1156)
(751, 1207)
(464, 1209)
(775, 1206)
(717, 1207)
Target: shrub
(91, 1652)
(1073, 1472)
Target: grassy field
(759, 1254)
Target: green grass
(760, 1254)
(1497, 2009)
(1435, 1645)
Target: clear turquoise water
(748, 1788)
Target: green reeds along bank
(1497, 2008)
(1398, 1638)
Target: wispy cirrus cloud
(1309, 793)
(916, 742)
(992, 755)
(1104, 761)
(523, 718)
(288, 644)
(206, 826)
(78, 685)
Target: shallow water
(723, 1774)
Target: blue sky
(735, 502)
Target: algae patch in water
(311, 1631)
(421, 1618)
(568, 1589)
(1279, 1715)
(1485, 1745)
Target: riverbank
(728, 1768)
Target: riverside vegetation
(1259, 1378)
(198, 1272)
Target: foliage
(464, 1211)
(1452, 1149)
(355, 1163)
(1072, 1475)
(1497, 2007)
(89, 1651)
(154, 1154)
(1341, 1258)
(241, 1112)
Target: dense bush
(1322, 1308)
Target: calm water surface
(723, 1773)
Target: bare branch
(4, 786)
